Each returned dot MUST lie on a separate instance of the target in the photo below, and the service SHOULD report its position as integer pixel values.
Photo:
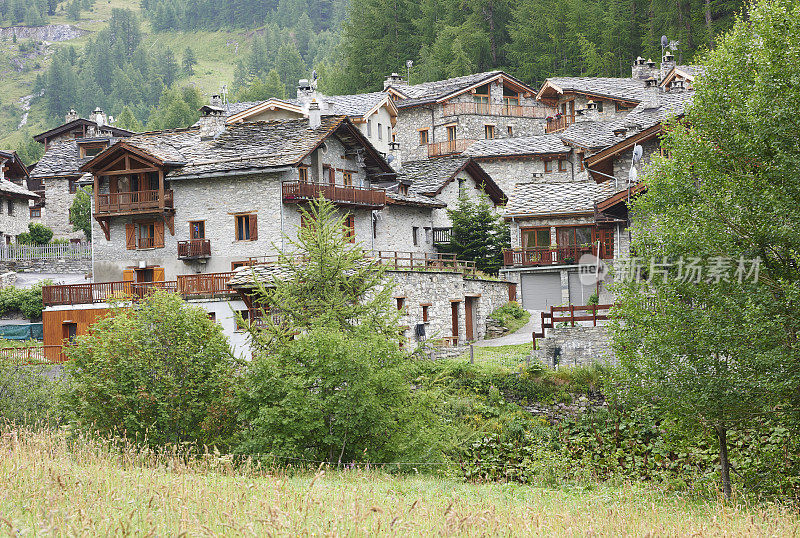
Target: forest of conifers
(354, 45)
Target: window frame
(250, 230)
(202, 224)
(10, 207)
(489, 129)
(424, 137)
(562, 165)
(548, 166)
(302, 174)
(347, 178)
(415, 235)
(535, 230)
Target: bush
(27, 301)
(30, 395)
(161, 373)
(511, 316)
(37, 234)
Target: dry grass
(51, 486)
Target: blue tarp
(28, 331)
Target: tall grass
(57, 484)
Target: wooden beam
(105, 226)
(169, 218)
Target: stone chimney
(667, 63)
(212, 119)
(394, 80)
(305, 91)
(591, 113)
(643, 69)
(314, 115)
(71, 116)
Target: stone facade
(14, 218)
(55, 213)
(575, 346)
(509, 171)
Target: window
(401, 302)
(246, 227)
(535, 237)
(481, 94)
(548, 167)
(369, 127)
(329, 171)
(488, 132)
(70, 331)
(510, 130)
(73, 187)
(350, 229)
(302, 172)
(510, 97)
(402, 188)
(197, 229)
(10, 206)
(241, 324)
(380, 131)
(462, 186)
(236, 265)
(423, 137)
(36, 213)
(389, 133)
(562, 165)
(427, 235)
(425, 308)
(599, 106)
(90, 150)
(347, 178)
(415, 235)
(574, 236)
(451, 132)
(146, 234)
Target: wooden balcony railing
(558, 123)
(299, 191)
(449, 147)
(133, 202)
(189, 286)
(194, 249)
(488, 109)
(422, 261)
(521, 257)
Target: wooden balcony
(558, 123)
(488, 109)
(422, 261)
(128, 203)
(524, 257)
(441, 235)
(300, 191)
(194, 249)
(189, 286)
(449, 147)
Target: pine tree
(478, 234)
(189, 61)
(127, 120)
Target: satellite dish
(389, 158)
(633, 175)
(664, 41)
(637, 153)
(314, 74)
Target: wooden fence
(37, 354)
(572, 314)
(72, 251)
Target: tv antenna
(409, 64)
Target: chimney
(71, 116)
(314, 115)
(667, 63)
(394, 80)
(643, 69)
(305, 91)
(212, 119)
(676, 85)
(591, 113)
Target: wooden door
(454, 314)
(606, 238)
(469, 306)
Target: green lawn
(512, 357)
(56, 486)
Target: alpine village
(421, 267)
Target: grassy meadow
(54, 485)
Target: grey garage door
(578, 292)
(540, 291)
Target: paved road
(25, 280)
(522, 336)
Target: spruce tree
(478, 234)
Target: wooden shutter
(158, 272)
(253, 227)
(130, 236)
(127, 275)
(158, 234)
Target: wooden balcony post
(161, 200)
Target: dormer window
(92, 149)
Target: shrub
(30, 394)
(27, 301)
(159, 373)
(37, 234)
(511, 316)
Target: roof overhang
(674, 73)
(117, 149)
(612, 151)
(550, 91)
(506, 78)
(617, 204)
(353, 131)
(16, 168)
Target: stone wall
(55, 213)
(507, 172)
(575, 346)
(14, 222)
(50, 265)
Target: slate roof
(655, 108)
(355, 105)
(428, 92)
(11, 188)
(521, 145)
(428, 175)
(413, 198)
(62, 158)
(693, 70)
(235, 108)
(548, 198)
(264, 273)
(591, 135)
(627, 89)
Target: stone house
(55, 176)
(374, 113)
(14, 197)
(445, 117)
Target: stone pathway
(522, 336)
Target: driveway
(523, 336)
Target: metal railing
(449, 147)
(73, 251)
(194, 248)
(298, 191)
(121, 202)
(491, 109)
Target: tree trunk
(709, 30)
(724, 464)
